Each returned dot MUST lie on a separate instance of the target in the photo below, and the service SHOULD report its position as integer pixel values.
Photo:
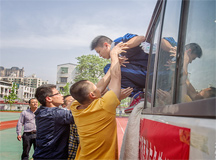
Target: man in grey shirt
(27, 119)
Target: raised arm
(135, 41)
(165, 45)
(102, 84)
(115, 71)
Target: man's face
(33, 103)
(103, 51)
(95, 90)
(191, 57)
(68, 100)
(205, 93)
(57, 98)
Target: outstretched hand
(125, 93)
(164, 97)
(119, 48)
(122, 60)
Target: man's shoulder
(110, 95)
(124, 38)
(25, 111)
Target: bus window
(151, 66)
(198, 80)
(167, 54)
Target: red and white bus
(178, 116)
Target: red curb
(8, 124)
(12, 111)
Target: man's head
(84, 91)
(208, 92)
(33, 103)
(68, 99)
(193, 51)
(102, 44)
(48, 95)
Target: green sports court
(10, 147)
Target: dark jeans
(133, 76)
(28, 139)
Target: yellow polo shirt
(97, 128)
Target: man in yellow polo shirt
(94, 115)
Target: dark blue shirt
(53, 128)
(135, 55)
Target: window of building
(61, 89)
(64, 70)
(63, 79)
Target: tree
(66, 89)
(12, 95)
(90, 67)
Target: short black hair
(80, 91)
(195, 49)
(44, 91)
(99, 41)
(212, 92)
(65, 98)
(30, 100)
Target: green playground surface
(10, 147)
(8, 116)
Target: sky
(41, 34)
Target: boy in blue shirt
(134, 70)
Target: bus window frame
(151, 29)
(204, 108)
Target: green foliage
(90, 67)
(125, 102)
(12, 95)
(66, 89)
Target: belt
(32, 132)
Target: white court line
(120, 125)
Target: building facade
(13, 71)
(5, 88)
(65, 74)
(24, 93)
(31, 81)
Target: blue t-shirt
(135, 55)
(53, 129)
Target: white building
(31, 81)
(25, 93)
(4, 88)
(65, 74)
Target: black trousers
(28, 139)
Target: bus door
(178, 117)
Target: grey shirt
(27, 119)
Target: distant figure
(53, 124)
(74, 137)
(68, 99)
(95, 115)
(192, 51)
(206, 93)
(133, 74)
(27, 119)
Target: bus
(177, 119)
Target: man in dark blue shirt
(53, 124)
(134, 72)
